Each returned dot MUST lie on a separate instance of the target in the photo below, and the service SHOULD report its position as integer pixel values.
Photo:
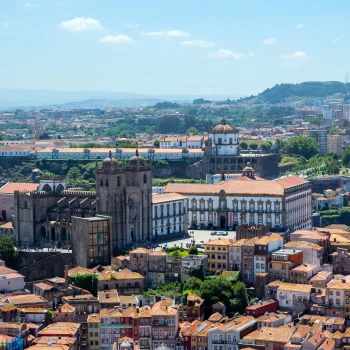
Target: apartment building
(169, 214)
(335, 144)
(217, 252)
(116, 324)
(235, 255)
(312, 252)
(193, 309)
(283, 261)
(302, 273)
(341, 261)
(294, 297)
(94, 331)
(261, 308)
(227, 336)
(264, 246)
(338, 299)
(165, 323)
(125, 281)
(273, 319)
(145, 329)
(248, 250)
(269, 337)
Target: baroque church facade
(43, 218)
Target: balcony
(144, 335)
(215, 341)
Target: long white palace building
(282, 204)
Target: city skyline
(171, 47)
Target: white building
(288, 294)
(169, 214)
(10, 282)
(214, 179)
(264, 246)
(119, 153)
(281, 204)
(312, 253)
(225, 139)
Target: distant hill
(27, 99)
(282, 92)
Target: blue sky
(223, 47)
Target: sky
(202, 47)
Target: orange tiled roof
(125, 274)
(238, 187)
(11, 187)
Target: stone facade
(125, 194)
(251, 231)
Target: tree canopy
(243, 145)
(8, 251)
(303, 146)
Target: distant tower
(125, 194)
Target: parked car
(213, 233)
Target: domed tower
(225, 139)
(125, 194)
(248, 171)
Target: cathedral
(43, 218)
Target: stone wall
(40, 265)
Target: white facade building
(281, 204)
(214, 179)
(289, 293)
(11, 282)
(169, 214)
(225, 139)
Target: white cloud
(197, 43)
(166, 33)
(269, 41)
(132, 26)
(222, 53)
(118, 39)
(251, 54)
(30, 4)
(300, 25)
(80, 24)
(335, 40)
(295, 56)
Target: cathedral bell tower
(124, 192)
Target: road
(200, 236)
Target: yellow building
(335, 144)
(94, 330)
(218, 253)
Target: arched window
(118, 180)
(107, 182)
(144, 178)
(101, 182)
(47, 188)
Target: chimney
(66, 279)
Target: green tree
(197, 272)
(193, 250)
(346, 157)
(176, 255)
(87, 281)
(243, 145)
(303, 146)
(253, 146)
(193, 284)
(44, 136)
(156, 143)
(192, 130)
(241, 296)
(8, 251)
(266, 145)
(73, 174)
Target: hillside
(311, 89)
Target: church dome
(137, 160)
(109, 160)
(223, 127)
